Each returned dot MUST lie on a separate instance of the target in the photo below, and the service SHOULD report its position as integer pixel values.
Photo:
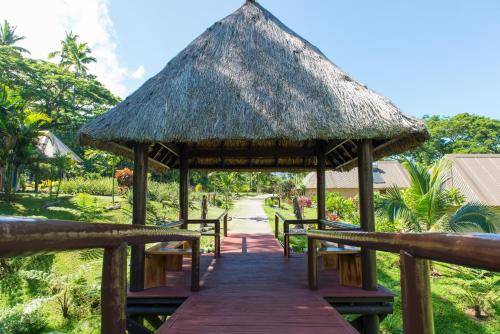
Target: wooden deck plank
(252, 288)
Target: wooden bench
(163, 257)
(346, 259)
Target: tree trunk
(477, 311)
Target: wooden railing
(415, 249)
(217, 227)
(26, 236)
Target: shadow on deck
(252, 287)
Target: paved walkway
(252, 288)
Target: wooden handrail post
(312, 264)
(225, 225)
(195, 265)
(217, 239)
(114, 290)
(276, 226)
(416, 295)
(286, 238)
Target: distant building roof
(385, 175)
(51, 146)
(477, 176)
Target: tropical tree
(19, 131)
(427, 206)
(73, 54)
(226, 183)
(8, 37)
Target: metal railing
(416, 250)
(26, 236)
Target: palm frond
(473, 216)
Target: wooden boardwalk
(253, 288)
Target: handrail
(476, 250)
(25, 236)
(415, 249)
(279, 215)
(336, 225)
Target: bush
(305, 202)
(15, 321)
(98, 186)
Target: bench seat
(163, 257)
(346, 260)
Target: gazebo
(251, 94)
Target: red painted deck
(253, 288)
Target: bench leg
(195, 265)
(312, 264)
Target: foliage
(125, 178)
(73, 54)
(96, 186)
(16, 321)
(481, 291)
(8, 37)
(226, 183)
(305, 202)
(340, 206)
(67, 98)
(426, 204)
(19, 131)
(462, 133)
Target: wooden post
(225, 225)
(195, 265)
(416, 295)
(276, 226)
(139, 214)
(367, 218)
(217, 239)
(183, 186)
(312, 264)
(36, 177)
(320, 186)
(114, 290)
(286, 238)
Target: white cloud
(44, 24)
(138, 73)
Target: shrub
(305, 202)
(98, 186)
(15, 321)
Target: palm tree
(427, 206)
(19, 131)
(73, 54)
(8, 37)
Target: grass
(449, 307)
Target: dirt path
(248, 216)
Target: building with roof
(477, 176)
(386, 174)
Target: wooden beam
(183, 186)
(416, 295)
(114, 290)
(334, 146)
(171, 148)
(139, 214)
(367, 218)
(254, 153)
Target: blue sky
(428, 57)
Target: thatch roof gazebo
(250, 94)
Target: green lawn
(449, 305)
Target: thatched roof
(249, 78)
(50, 147)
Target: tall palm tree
(19, 131)
(74, 54)
(8, 37)
(427, 206)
